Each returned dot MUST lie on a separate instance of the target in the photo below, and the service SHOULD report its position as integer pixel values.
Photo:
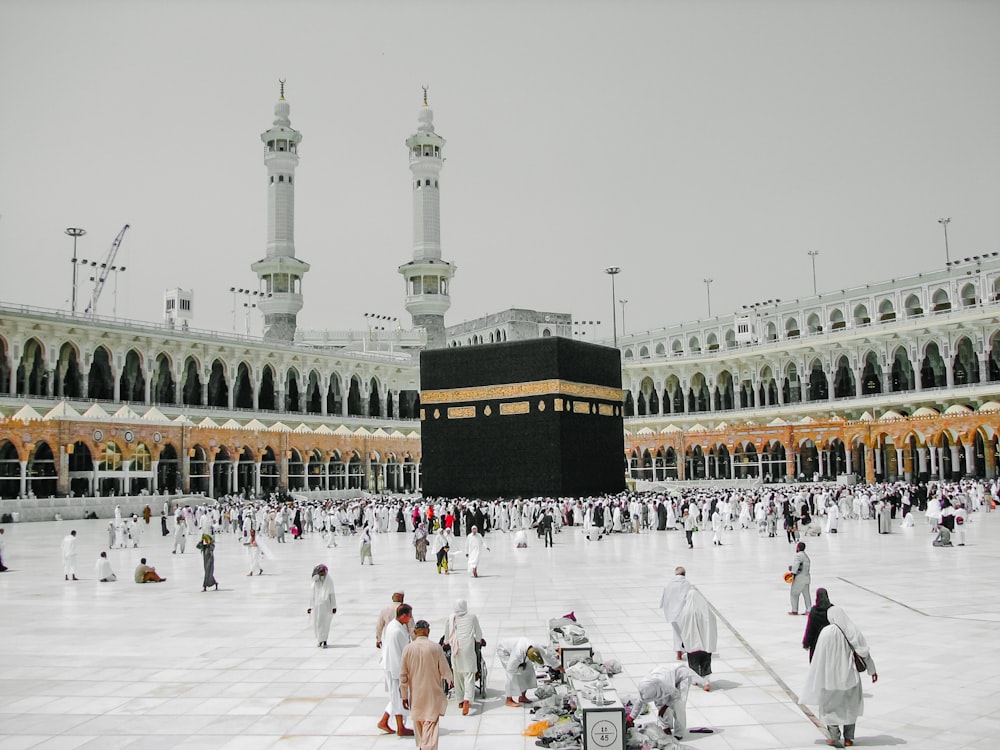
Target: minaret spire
(427, 275)
(280, 272)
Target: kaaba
(536, 418)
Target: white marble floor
(91, 665)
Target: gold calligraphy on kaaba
(514, 407)
(553, 386)
(461, 412)
(581, 407)
(606, 410)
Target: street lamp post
(114, 304)
(942, 222)
(623, 302)
(613, 271)
(708, 293)
(75, 232)
(812, 256)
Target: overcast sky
(677, 140)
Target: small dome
(926, 411)
(958, 409)
(989, 406)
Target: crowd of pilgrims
(773, 510)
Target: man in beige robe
(421, 673)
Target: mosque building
(898, 379)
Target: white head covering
(699, 630)
(461, 607)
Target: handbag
(859, 661)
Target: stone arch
(965, 365)
(191, 387)
(132, 383)
(813, 324)
(770, 331)
(712, 341)
(643, 352)
(101, 380)
(994, 356)
(871, 375)
(661, 350)
(676, 347)
(933, 368)
(768, 387)
(374, 398)
(843, 379)
(968, 295)
(198, 469)
(730, 338)
(292, 397)
(314, 393)
(218, 385)
(42, 471)
(791, 328)
(940, 301)
(837, 321)
(243, 387)
(267, 394)
(168, 470)
(694, 344)
(902, 375)
(647, 392)
(628, 353)
(886, 311)
(912, 306)
(724, 391)
(162, 389)
(5, 367)
(819, 389)
(32, 377)
(861, 317)
(335, 395)
(791, 385)
(69, 375)
(354, 407)
(10, 469)
(698, 395)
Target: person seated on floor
(943, 538)
(104, 572)
(146, 574)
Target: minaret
(427, 276)
(280, 272)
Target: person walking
(834, 682)
(69, 555)
(672, 602)
(800, 578)
(464, 636)
(689, 528)
(323, 605)
(207, 547)
(817, 621)
(474, 544)
(366, 546)
(699, 633)
(255, 553)
(395, 638)
(423, 669)
(388, 614)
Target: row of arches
(219, 385)
(945, 457)
(819, 382)
(791, 326)
(213, 472)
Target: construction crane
(102, 272)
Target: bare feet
(511, 703)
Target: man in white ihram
(672, 602)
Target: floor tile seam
(963, 618)
(767, 667)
